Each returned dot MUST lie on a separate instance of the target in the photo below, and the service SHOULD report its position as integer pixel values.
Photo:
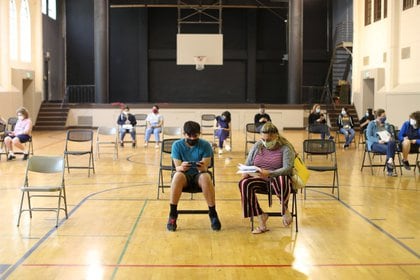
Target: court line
(28, 253)
(225, 265)
(369, 221)
(129, 239)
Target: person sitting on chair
(191, 157)
(273, 156)
(154, 125)
(261, 118)
(20, 135)
(409, 137)
(379, 140)
(318, 123)
(366, 119)
(222, 130)
(345, 126)
(127, 123)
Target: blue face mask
(383, 119)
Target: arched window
(52, 9)
(25, 32)
(13, 32)
(44, 7)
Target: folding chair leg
(20, 208)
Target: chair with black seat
(323, 158)
(2, 135)
(107, 137)
(250, 135)
(207, 124)
(165, 164)
(269, 194)
(413, 151)
(11, 123)
(35, 186)
(79, 142)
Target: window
(386, 8)
(13, 30)
(407, 4)
(49, 7)
(25, 32)
(44, 7)
(377, 7)
(368, 12)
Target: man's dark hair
(191, 128)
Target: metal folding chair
(79, 142)
(250, 133)
(107, 137)
(323, 158)
(52, 169)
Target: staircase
(52, 116)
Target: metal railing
(79, 94)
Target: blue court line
(128, 240)
(28, 253)
(3, 267)
(369, 221)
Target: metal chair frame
(79, 136)
(325, 148)
(53, 165)
(250, 133)
(108, 132)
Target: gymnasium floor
(117, 228)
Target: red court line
(222, 265)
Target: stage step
(52, 116)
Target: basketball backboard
(191, 48)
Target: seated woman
(409, 137)
(127, 122)
(366, 119)
(20, 135)
(318, 122)
(222, 130)
(273, 156)
(154, 125)
(345, 125)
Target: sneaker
(228, 148)
(25, 156)
(171, 225)
(133, 145)
(391, 174)
(157, 146)
(346, 146)
(145, 144)
(220, 151)
(331, 138)
(215, 223)
(406, 164)
(389, 166)
(122, 144)
(11, 157)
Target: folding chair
(250, 132)
(323, 159)
(79, 142)
(10, 126)
(2, 135)
(171, 132)
(399, 151)
(269, 194)
(49, 167)
(108, 137)
(207, 124)
(165, 163)
(141, 123)
(11, 122)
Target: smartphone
(194, 164)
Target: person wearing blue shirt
(380, 145)
(223, 130)
(191, 157)
(409, 137)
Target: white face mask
(413, 122)
(343, 112)
(367, 114)
(318, 110)
(20, 118)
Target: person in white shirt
(154, 125)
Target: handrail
(79, 94)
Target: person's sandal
(259, 230)
(287, 219)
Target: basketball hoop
(199, 62)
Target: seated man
(191, 157)
(409, 137)
(127, 122)
(261, 118)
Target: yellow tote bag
(300, 173)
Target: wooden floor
(117, 228)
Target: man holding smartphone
(191, 157)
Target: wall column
(295, 21)
(101, 44)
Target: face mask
(192, 142)
(155, 111)
(20, 118)
(413, 122)
(318, 110)
(223, 118)
(269, 144)
(125, 113)
(382, 120)
(343, 112)
(367, 114)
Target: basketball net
(199, 62)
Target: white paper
(384, 135)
